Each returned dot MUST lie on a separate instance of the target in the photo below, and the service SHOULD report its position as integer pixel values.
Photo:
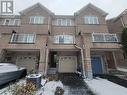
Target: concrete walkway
(74, 85)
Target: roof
(123, 13)
(93, 7)
(34, 6)
(116, 18)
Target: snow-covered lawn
(47, 89)
(104, 87)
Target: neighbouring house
(42, 41)
(116, 25)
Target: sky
(68, 7)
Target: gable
(91, 8)
(37, 8)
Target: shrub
(59, 91)
(24, 89)
(124, 40)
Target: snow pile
(50, 87)
(105, 87)
(122, 69)
(6, 67)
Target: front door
(67, 64)
(96, 65)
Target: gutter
(122, 22)
(82, 56)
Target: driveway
(74, 85)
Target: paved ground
(74, 85)
(114, 78)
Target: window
(23, 38)
(91, 20)
(64, 22)
(36, 20)
(17, 22)
(6, 22)
(101, 37)
(64, 39)
(13, 22)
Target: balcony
(63, 39)
(23, 38)
(104, 38)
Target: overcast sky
(68, 7)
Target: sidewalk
(104, 87)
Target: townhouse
(42, 41)
(116, 25)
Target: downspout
(46, 60)
(48, 23)
(47, 50)
(82, 56)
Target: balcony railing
(23, 38)
(104, 37)
(63, 39)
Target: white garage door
(67, 64)
(27, 62)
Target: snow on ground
(104, 87)
(48, 88)
(122, 69)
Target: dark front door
(96, 65)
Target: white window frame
(5, 21)
(40, 20)
(67, 39)
(91, 20)
(104, 37)
(19, 22)
(12, 22)
(60, 22)
(24, 38)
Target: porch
(64, 61)
(103, 61)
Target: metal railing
(23, 38)
(63, 39)
(104, 37)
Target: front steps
(52, 71)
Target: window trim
(5, 21)
(19, 22)
(26, 37)
(91, 20)
(62, 22)
(57, 39)
(104, 36)
(41, 20)
(13, 24)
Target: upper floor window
(104, 37)
(64, 22)
(91, 20)
(64, 39)
(12, 22)
(23, 38)
(36, 20)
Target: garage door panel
(26, 61)
(67, 64)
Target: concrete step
(52, 71)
